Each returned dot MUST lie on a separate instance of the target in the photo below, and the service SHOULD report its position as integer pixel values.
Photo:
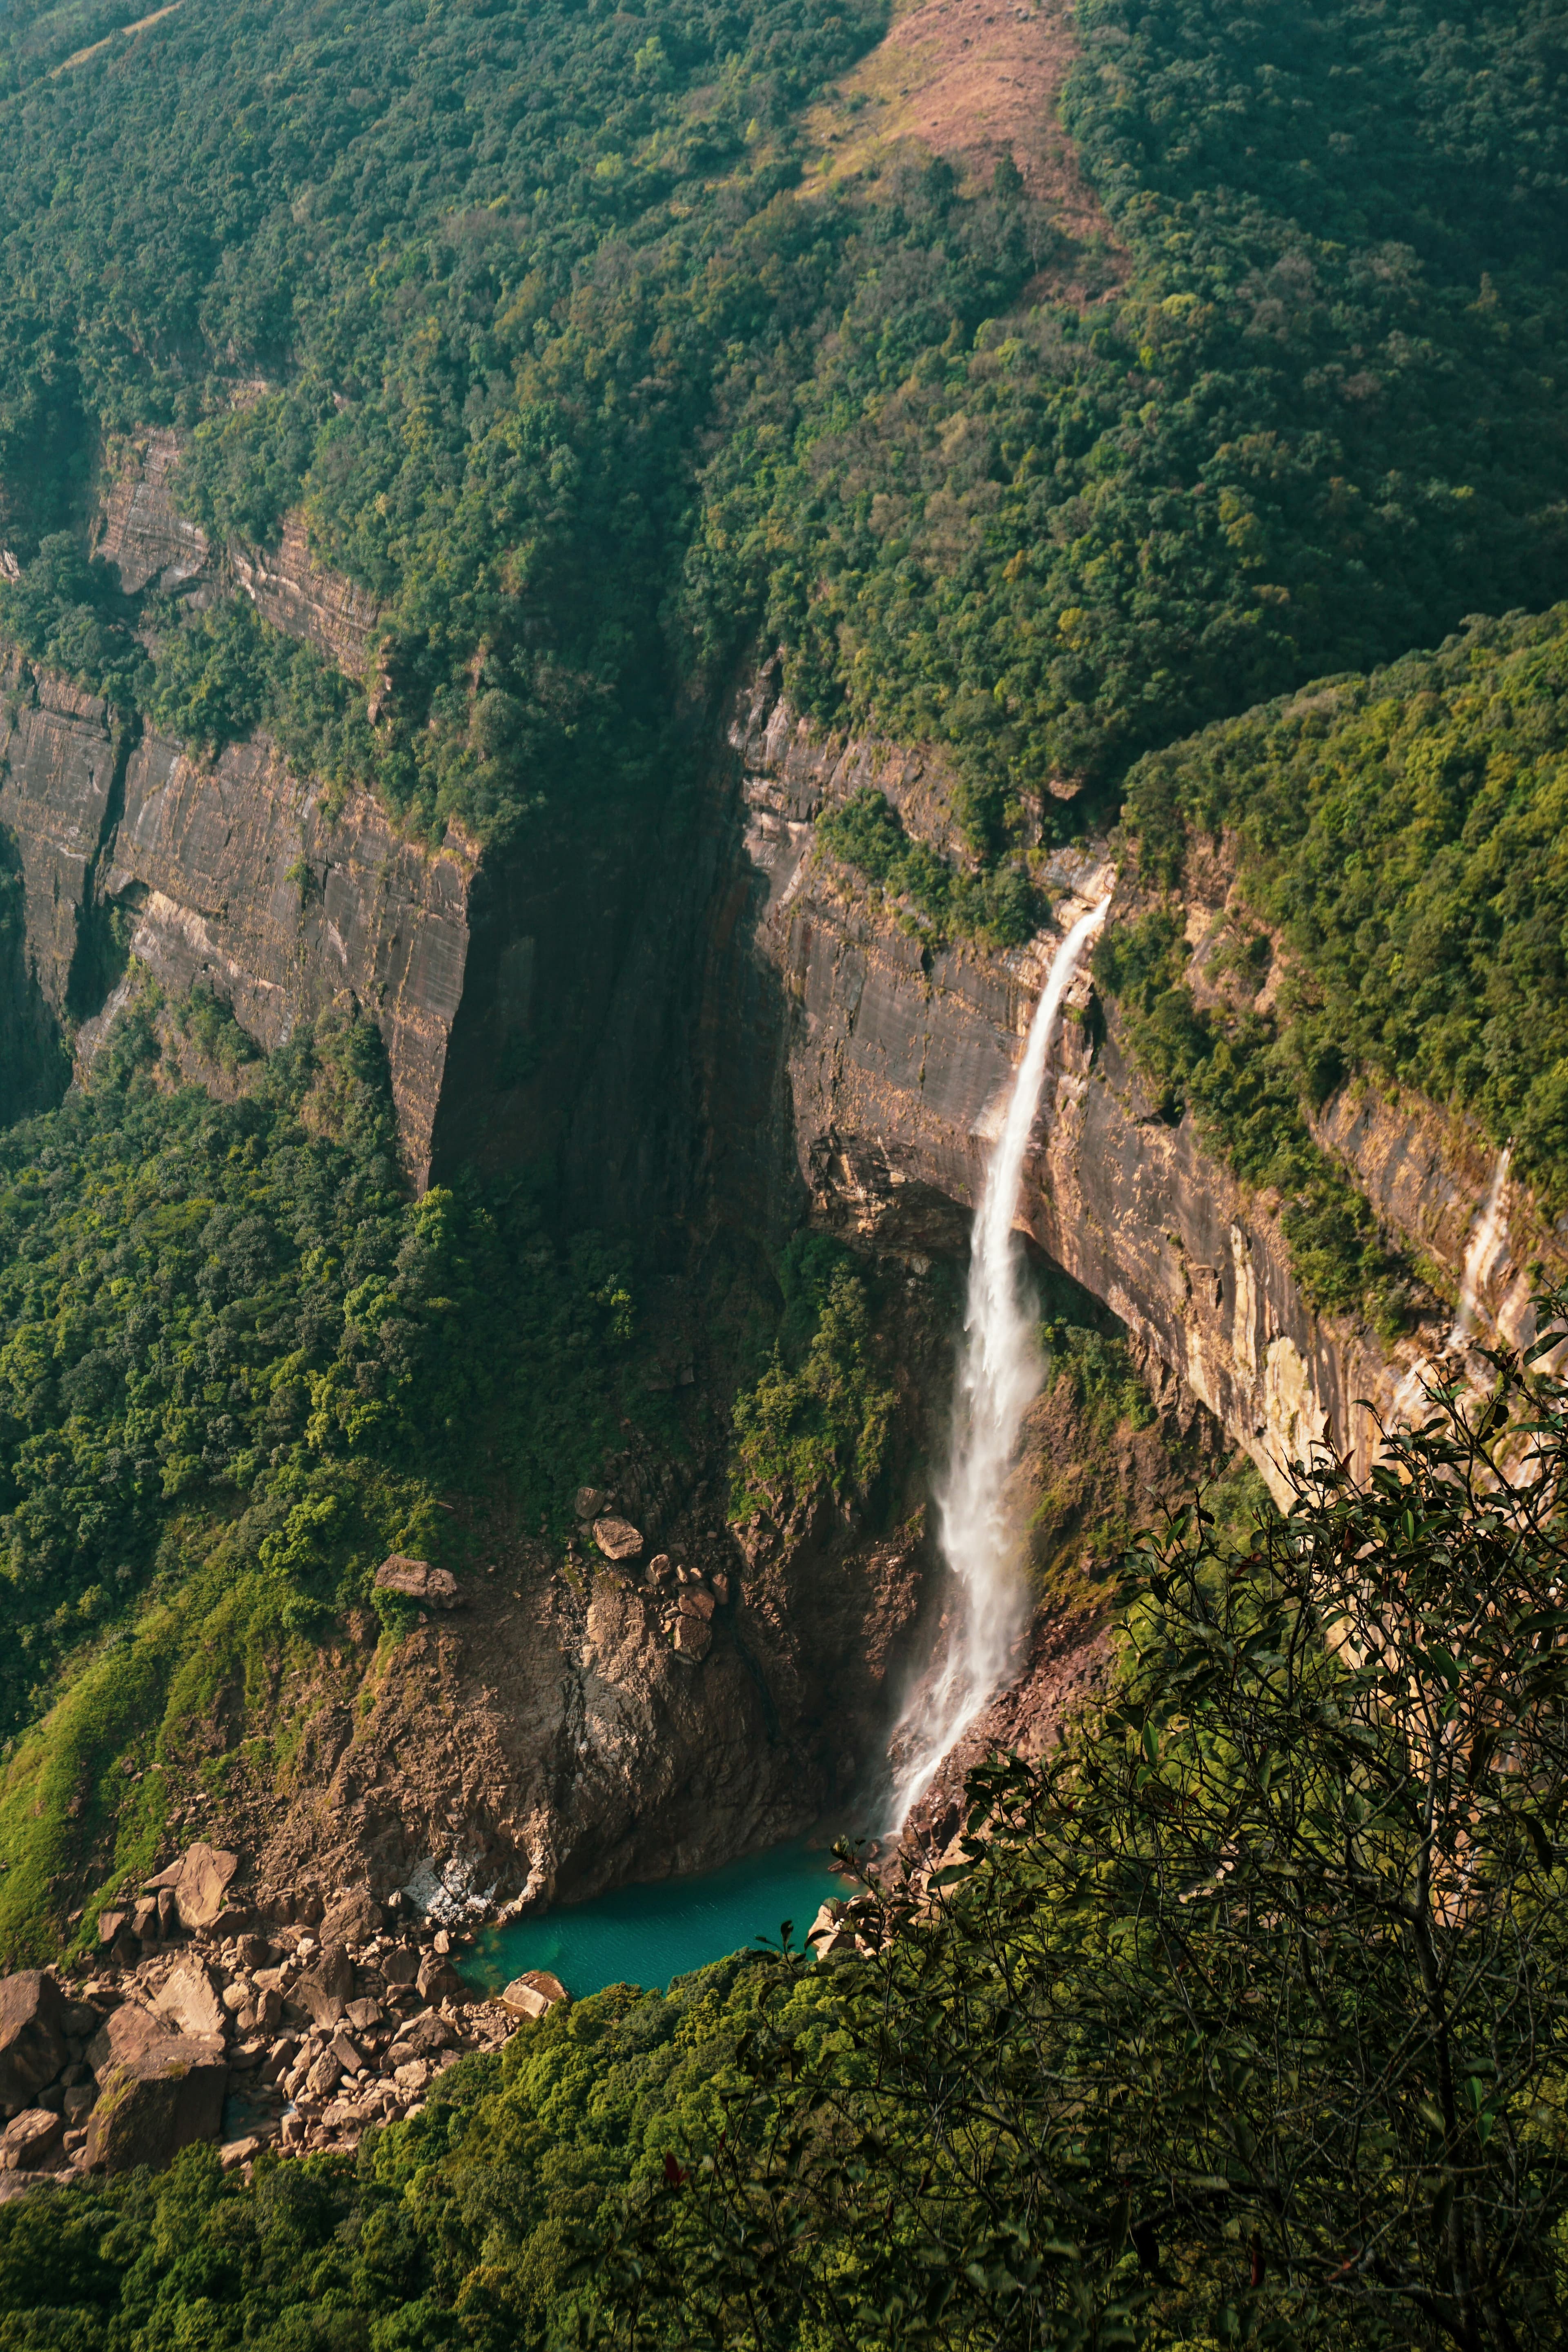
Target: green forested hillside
(1193, 2049)
(534, 315)
(1399, 842)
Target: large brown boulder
(415, 1580)
(203, 1880)
(325, 1989)
(157, 2092)
(438, 1978)
(31, 2141)
(32, 2036)
(617, 1539)
(429, 2034)
(353, 1918)
(189, 2001)
(533, 1994)
(693, 1637)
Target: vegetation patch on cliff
(1402, 835)
(942, 901)
(821, 1416)
(1237, 1075)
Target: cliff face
(234, 875)
(142, 532)
(897, 1058)
(240, 877)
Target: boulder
(189, 2001)
(157, 2092)
(323, 2077)
(324, 1990)
(591, 1501)
(617, 1539)
(532, 1994)
(362, 2016)
(33, 2029)
(693, 1637)
(31, 2141)
(353, 1919)
(109, 1923)
(695, 1602)
(429, 2034)
(435, 1587)
(347, 2053)
(400, 1966)
(438, 1978)
(203, 1880)
(127, 2032)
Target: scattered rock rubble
(197, 2005)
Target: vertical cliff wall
(894, 1059)
(235, 874)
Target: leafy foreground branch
(1242, 2019)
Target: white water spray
(999, 1373)
(1487, 1236)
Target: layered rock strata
(237, 874)
(241, 877)
(141, 531)
(896, 1057)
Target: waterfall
(1490, 1229)
(1487, 1235)
(999, 1373)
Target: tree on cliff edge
(1245, 2018)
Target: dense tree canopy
(1239, 2021)
(536, 317)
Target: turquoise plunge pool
(646, 1935)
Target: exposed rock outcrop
(896, 1059)
(238, 875)
(33, 2028)
(141, 531)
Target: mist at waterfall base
(1000, 1368)
(649, 1935)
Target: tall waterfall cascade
(1487, 1236)
(999, 1373)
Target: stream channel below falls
(648, 1935)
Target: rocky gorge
(717, 1023)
